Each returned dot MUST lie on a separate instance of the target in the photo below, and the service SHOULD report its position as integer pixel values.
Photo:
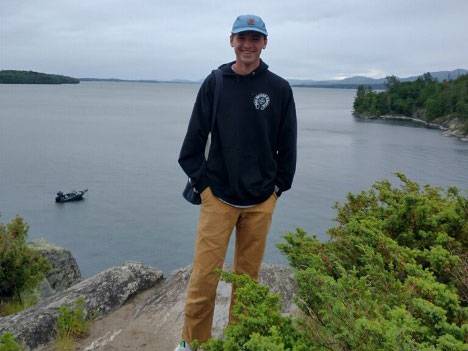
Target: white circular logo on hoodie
(261, 101)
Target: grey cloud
(185, 39)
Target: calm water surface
(121, 141)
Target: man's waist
(239, 198)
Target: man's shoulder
(211, 77)
(209, 82)
(277, 80)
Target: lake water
(121, 141)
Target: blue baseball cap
(246, 23)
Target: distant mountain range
(376, 83)
(137, 80)
(351, 82)
(30, 77)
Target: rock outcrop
(103, 293)
(450, 126)
(64, 272)
(455, 127)
(152, 321)
(134, 309)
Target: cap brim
(249, 29)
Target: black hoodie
(253, 142)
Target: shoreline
(451, 130)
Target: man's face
(248, 46)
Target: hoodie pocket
(217, 169)
(250, 175)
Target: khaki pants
(216, 223)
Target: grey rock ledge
(64, 271)
(103, 293)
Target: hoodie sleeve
(287, 145)
(192, 154)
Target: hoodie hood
(227, 70)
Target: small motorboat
(73, 196)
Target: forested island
(30, 77)
(426, 101)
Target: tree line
(30, 77)
(425, 98)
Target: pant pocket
(204, 194)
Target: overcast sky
(177, 39)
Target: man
(252, 160)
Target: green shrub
(72, 320)
(28, 299)
(8, 343)
(392, 277)
(21, 268)
(259, 323)
(71, 324)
